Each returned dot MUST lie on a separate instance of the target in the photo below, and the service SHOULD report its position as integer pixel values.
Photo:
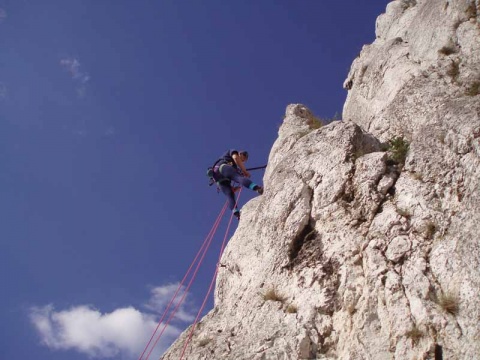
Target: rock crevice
(370, 255)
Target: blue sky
(110, 112)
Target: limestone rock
(370, 257)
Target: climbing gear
(211, 173)
(201, 253)
(259, 190)
(214, 172)
(222, 166)
(210, 288)
(257, 168)
(236, 213)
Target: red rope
(211, 283)
(205, 249)
(206, 243)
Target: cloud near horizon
(122, 333)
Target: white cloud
(162, 295)
(122, 333)
(80, 77)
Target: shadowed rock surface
(370, 255)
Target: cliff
(365, 244)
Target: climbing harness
(212, 172)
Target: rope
(189, 284)
(206, 243)
(212, 282)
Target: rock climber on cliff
(231, 167)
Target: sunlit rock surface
(353, 253)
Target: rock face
(357, 249)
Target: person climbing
(231, 167)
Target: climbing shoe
(236, 213)
(259, 189)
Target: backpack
(215, 178)
(211, 173)
(211, 176)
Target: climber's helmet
(245, 155)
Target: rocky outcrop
(361, 247)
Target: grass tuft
(430, 229)
(291, 309)
(472, 10)
(316, 123)
(442, 136)
(273, 295)
(447, 50)
(473, 89)
(417, 176)
(449, 303)
(398, 149)
(454, 70)
(414, 334)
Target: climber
(230, 167)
